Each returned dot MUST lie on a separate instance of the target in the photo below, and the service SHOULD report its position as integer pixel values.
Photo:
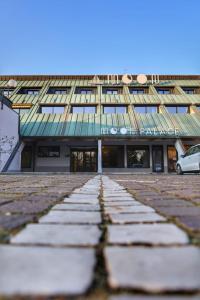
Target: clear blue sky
(99, 36)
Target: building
(116, 123)
(9, 136)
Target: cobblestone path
(101, 243)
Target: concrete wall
(9, 122)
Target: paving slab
(129, 209)
(111, 199)
(81, 201)
(142, 297)
(121, 203)
(71, 217)
(156, 269)
(152, 234)
(77, 207)
(83, 196)
(45, 271)
(62, 235)
(135, 218)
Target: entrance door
(83, 160)
(157, 158)
(27, 159)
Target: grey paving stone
(154, 269)
(64, 235)
(135, 218)
(153, 234)
(71, 217)
(84, 197)
(78, 207)
(81, 201)
(120, 199)
(142, 297)
(121, 203)
(129, 209)
(45, 270)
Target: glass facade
(83, 109)
(144, 109)
(138, 157)
(115, 109)
(113, 156)
(49, 151)
(52, 109)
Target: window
(112, 90)
(138, 156)
(121, 109)
(22, 111)
(85, 90)
(49, 151)
(164, 91)
(6, 92)
(113, 156)
(83, 109)
(144, 109)
(52, 109)
(178, 109)
(58, 90)
(29, 91)
(138, 91)
(191, 90)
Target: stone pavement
(101, 242)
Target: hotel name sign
(128, 79)
(150, 132)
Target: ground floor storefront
(101, 155)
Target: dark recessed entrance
(83, 160)
(157, 157)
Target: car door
(195, 158)
(186, 163)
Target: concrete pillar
(151, 159)
(125, 156)
(99, 157)
(165, 159)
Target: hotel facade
(105, 123)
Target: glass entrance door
(157, 158)
(83, 160)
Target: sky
(99, 37)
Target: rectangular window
(144, 109)
(83, 109)
(138, 91)
(164, 91)
(120, 109)
(22, 111)
(178, 109)
(85, 90)
(49, 151)
(6, 92)
(112, 90)
(138, 157)
(191, 90)
(58, 90)
(52, 109)
(29, 91)
(113, 156)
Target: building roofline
(90, 77)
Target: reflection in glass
(138, 156)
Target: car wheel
(179, 170)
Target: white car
(190, 161)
